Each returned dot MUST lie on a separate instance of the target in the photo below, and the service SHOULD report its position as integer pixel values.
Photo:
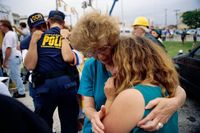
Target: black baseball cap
(35, 20)
(56, 13)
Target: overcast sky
(126, 10)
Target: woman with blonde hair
(95, 35)
(142, 72)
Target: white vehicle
(191, 31)
(198, 31)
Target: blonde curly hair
(93, 31)
(139, 60)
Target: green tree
(192, 18)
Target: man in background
(12, 57)
(22, 30)
(141, 28)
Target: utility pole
(176, 13)
(56, 5)
(122, 14)
(110, 12)
(165, 17)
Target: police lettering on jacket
(51, 41)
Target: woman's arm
(163, 110)
(180, 96)
(94, 116)
(125, 112)
(67, 54)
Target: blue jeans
(14, 73)
(1, 72)
(32, 93)
(58, 92)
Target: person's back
(149, 93)
(183, 35)
(17, 118)
(50, 51)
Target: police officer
(55, 79)
(34, 24)
(141, 28)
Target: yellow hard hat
(141, 21)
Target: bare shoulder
(132, 99)
(126, 110)
(130, 94)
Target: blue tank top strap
(149, 92)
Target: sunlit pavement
(189, 115)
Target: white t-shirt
(10, 41)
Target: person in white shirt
(12, 57)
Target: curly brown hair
(93, 31)
(139, 60)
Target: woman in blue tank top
(141, 72)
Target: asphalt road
(189, 115)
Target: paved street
(189, 116)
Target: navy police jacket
(49, 54)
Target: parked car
(191, 31)
(188, 67)
(198, 31)
(178, 32)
